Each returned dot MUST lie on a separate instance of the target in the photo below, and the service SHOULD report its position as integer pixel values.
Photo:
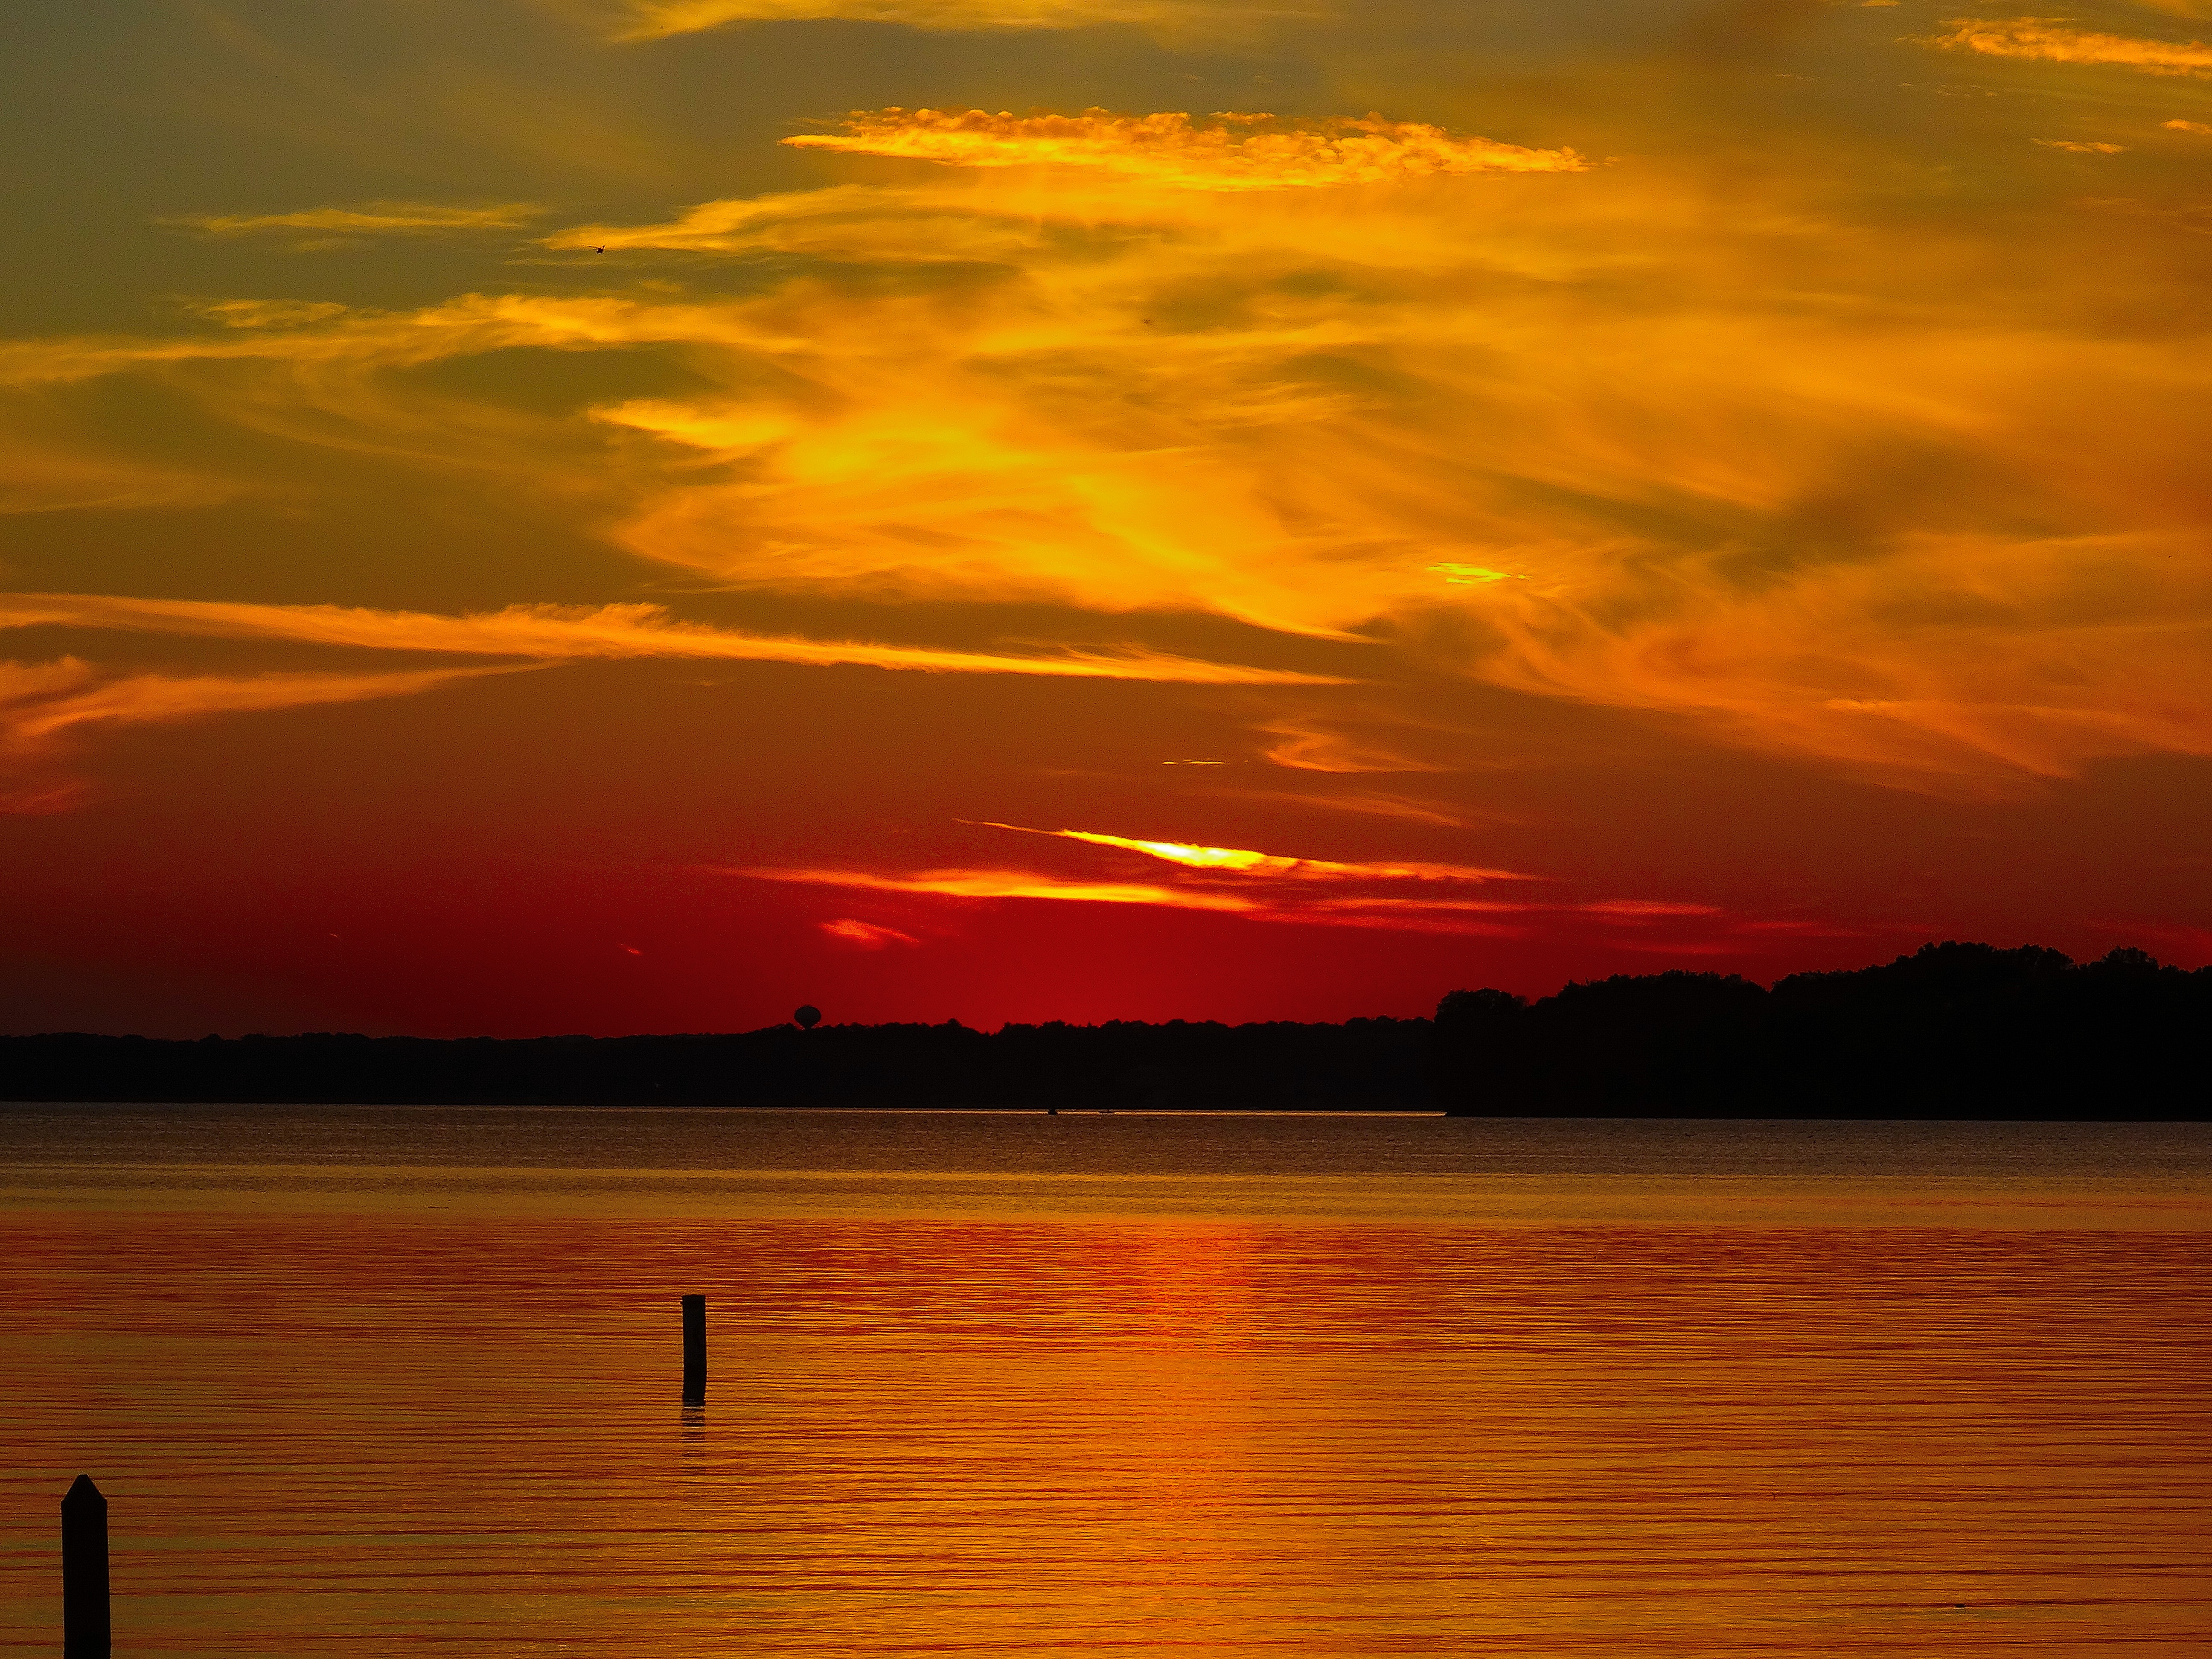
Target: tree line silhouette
(1956, 1030)
(1952, 1030)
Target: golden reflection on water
(384, 1411)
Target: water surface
(372, 1380)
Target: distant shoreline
(1966, 1032)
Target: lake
(364, 1381)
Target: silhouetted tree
(1481, 1059)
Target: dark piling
(695, 1349)
(84, 1572)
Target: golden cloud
(1174, 852)
(1789, 476)
(918, 226)
(2053, 41)
(2178, 125)
(370, 219)
(558, 633)
(1226, 152)
(2080, 148)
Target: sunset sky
(525, 516)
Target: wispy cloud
(369, 219)
(914, 226)
(865, 935)
(1367, 804)
(1303, 745)
(2178, 125)
(651, 20)
(44, 477)
(42, 704)
(2080, 147)
(2053, 41)
(38, 702)
(1226, 152)
(558, 633)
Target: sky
(532, 516)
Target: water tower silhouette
(808, 1016)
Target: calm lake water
(368, 1382)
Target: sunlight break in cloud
(1237, 861)
(1010, 884)
(370, 219)
(2051, 41)
(556, 633)
(1411, 916)
(1226, 152)
(1426, 914)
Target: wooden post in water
(84, 1572)
(695, 1349)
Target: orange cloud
(1646, 908)
(44, 477)
(1303, 746)
(865, 934)
(558, 633)
(1305, 411)
(2178, 125)
(1227, 152)
(1366, 805)
(654, 20)
(918, 225)
(371, 219)
(2053, 41)
(2081, 149)
(41, 702)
